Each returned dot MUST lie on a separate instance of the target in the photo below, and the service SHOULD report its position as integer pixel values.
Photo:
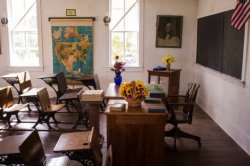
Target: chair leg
(182, 134)
(53, 117)
(67, 106)
(46, 119)
(39, 119)
(172, 133)
(175, 132)
(8, 120)
(29, 108)
(18, 120)
(102, 107)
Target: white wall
(152, 55)
(224, 99)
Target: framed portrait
(70, 12)
(169, 31)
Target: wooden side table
(174, 79)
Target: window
(23, 33)
(125, 32)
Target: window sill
(24, 68)
(128, 69)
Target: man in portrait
(167, 33)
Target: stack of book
(160, 109)
(152, 100)
(92, 95)
(159, 94)
(117, 107)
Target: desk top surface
(47, 76)
(9, 145)
(11, 75)
(76, 141)
(30, 93)
(164, 71)
(112, 92)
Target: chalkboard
(219, 45)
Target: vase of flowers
(118, 68)
(134, 92)
(168, 59)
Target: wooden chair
(62, 85)
(24, 81)
(96, 148)
(25, 85)
(47, 110)
(109, 157)
(32, 153)
(64, 94)
(7, 105)
(182, 116)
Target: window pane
(132, 20)
(117, 46)
(117, 11)
(18, 40)
(131, 49)
(22, 56)
(24, 35)
(31, 40)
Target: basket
(134, 102)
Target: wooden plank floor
(217, 149)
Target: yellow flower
(133, 90)
(168, 59)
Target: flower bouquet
(134, 92)
(118, 68)
(168, 59)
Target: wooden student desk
(9, 152)
(75, 145)
(174, 79)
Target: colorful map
(72, 50)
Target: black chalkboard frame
(219, 45)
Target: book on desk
(117, 107)
(157, 94)
(152, 100)
(155, 91)
(157, 109)
(92, 95)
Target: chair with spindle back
(182, 116)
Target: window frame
(39, 37)
(139, 42)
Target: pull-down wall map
(72, 44)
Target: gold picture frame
(169, 31)
(70, 12)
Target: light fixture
(106, 20)
(4, 20)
